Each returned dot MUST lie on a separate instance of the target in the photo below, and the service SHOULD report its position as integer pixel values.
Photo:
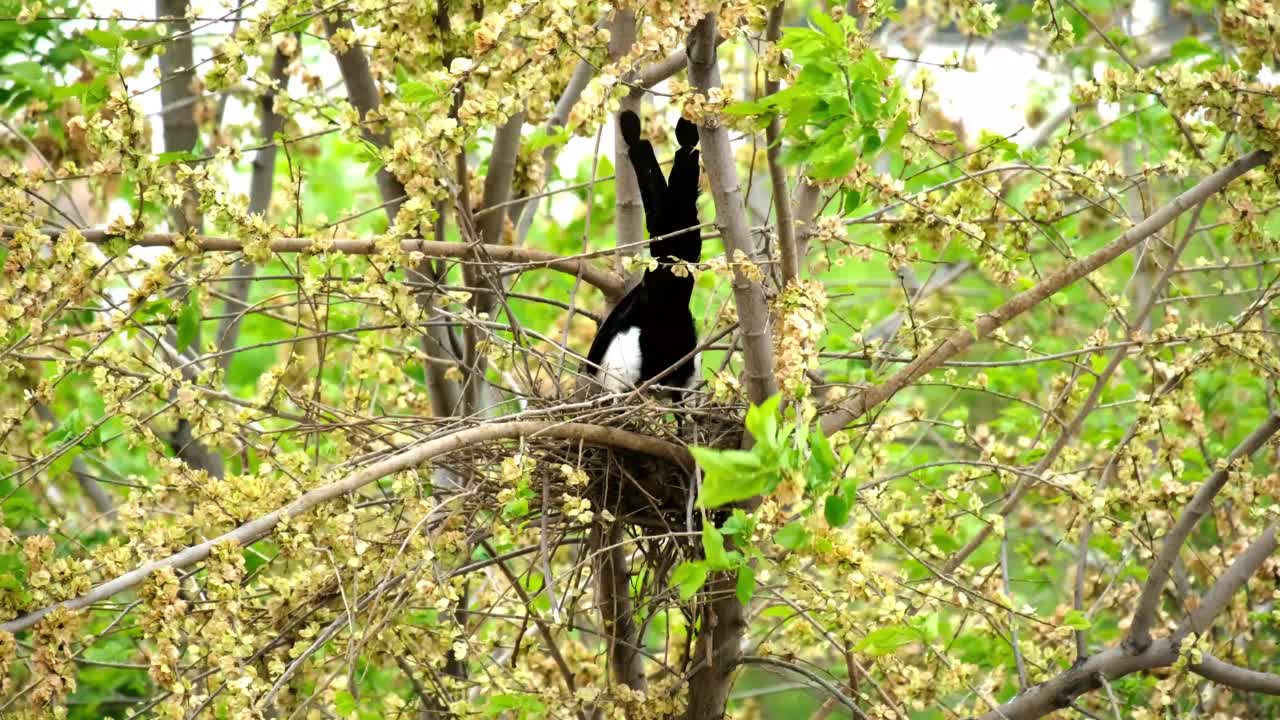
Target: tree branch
(572, 92)
(613, 593)
(731, 219)
(719, 645)
(808, 675)
(609, 283)
(497, 190)
(260, 187)
(629, 211)
(1236, 677)
(362, 93)
(406, 459)
(1213, 602)
(778, 174)
(1085, 676)
(1149, 601)
(177, 72)
(962, 339)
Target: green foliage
(838, 103)
(840, 561)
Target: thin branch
(777, 173)
(406, 459)
(529, 258)
(962, 339)
(1088, 674)
(808, 675)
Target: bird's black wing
(622, 317)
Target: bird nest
(652, 492)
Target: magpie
(652, 328)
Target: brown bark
(719, 645)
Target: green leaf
(896, 133)
(72, 424)
(689, 577)
(420, 93)
(828, 27)
(885, 640)
(746, 587)
(762, 420)
(866, 98)
(344, 703)
(62, 463)
(1077, 620)
(28, 73)
(746, 107)
(822, 454)
(793, 536)
(175, 156)
(104, 39)
(188, 322)
(518, 703)
(738, 523)
(727, 461)
(852, 201)
(544, 139)
(713, 548)
(517, 507)
(836, 510)
(730, 475)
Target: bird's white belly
(620, 369)
(696, 375)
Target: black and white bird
(652, 328)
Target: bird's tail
(682, 196)
(653, 188)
